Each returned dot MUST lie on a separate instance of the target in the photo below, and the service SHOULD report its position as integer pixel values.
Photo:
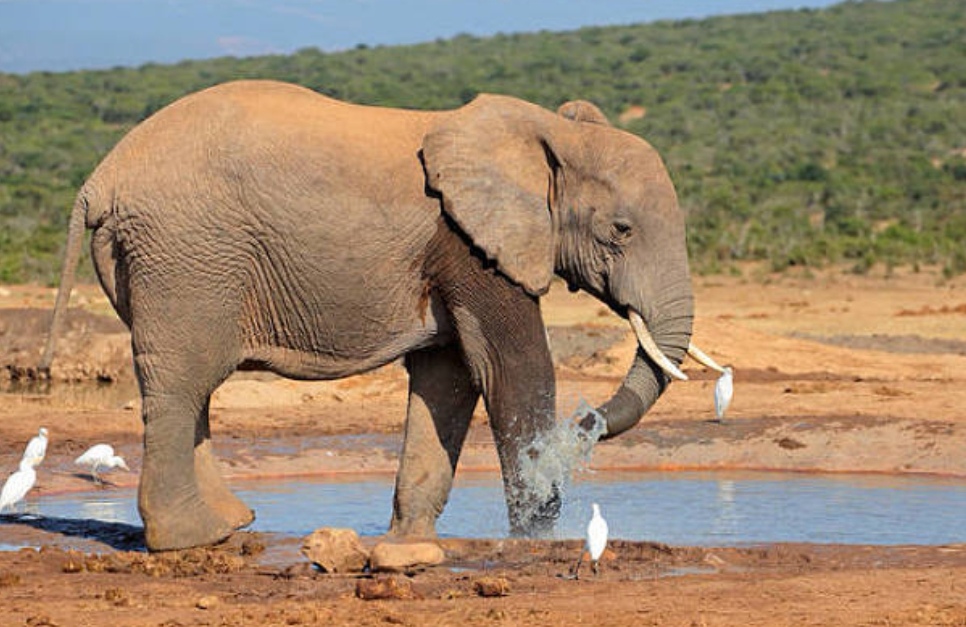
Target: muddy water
(106, 395)
(684, 508)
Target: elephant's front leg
(520, 403)
(441, 402)
(505, 343)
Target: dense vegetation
(802, 138)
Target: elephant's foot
(541, 528)
(182, 524)
(198, 510)
(215, 492)
(535, 517)
(416, 507)
(412, 528)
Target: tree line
(801, 138)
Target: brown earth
(833, 372)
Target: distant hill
(799, 137)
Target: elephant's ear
(492, 165)
(583, 111)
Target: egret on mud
(723, 391)
(596, 542)
(100, 456)
(36, 448)
(18, 484)
(723, 388)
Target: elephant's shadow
(117, 535)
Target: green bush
(797, 137)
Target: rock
(492, 587)
(117, 597)
(301, 570)
(335, 550)
(400, 557)
(384, 588)
(207, 602)
(790, 444)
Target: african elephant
(261, 225)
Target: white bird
(596, 542)
(36, 448)
(100, 456)
(17, 485)
(723, 391)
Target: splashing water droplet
(549, 463)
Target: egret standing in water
(596, 542)
(36, 448)
(17, 485)
(100, 456)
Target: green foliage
(799, 137)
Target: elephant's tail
(75, 239)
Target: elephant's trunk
(647, 378)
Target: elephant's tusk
(703, 358)
(650, 347)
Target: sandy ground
(833, 372)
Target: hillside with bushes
(802, 138)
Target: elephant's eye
(622, 229)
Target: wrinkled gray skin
(260, 225)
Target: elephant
(260, 225)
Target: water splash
(548, 465)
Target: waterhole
(680, 508)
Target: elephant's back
(239, 132)
(247, 113)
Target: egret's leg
(580, 558)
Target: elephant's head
(542, 193)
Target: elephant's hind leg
(441, 402)
(211, 484)
(182, 498)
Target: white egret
(36, 448)
(723, 391)
(596, 542)
(100, 456)
(724, 388)
(17, 485)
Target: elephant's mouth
(652, 350)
